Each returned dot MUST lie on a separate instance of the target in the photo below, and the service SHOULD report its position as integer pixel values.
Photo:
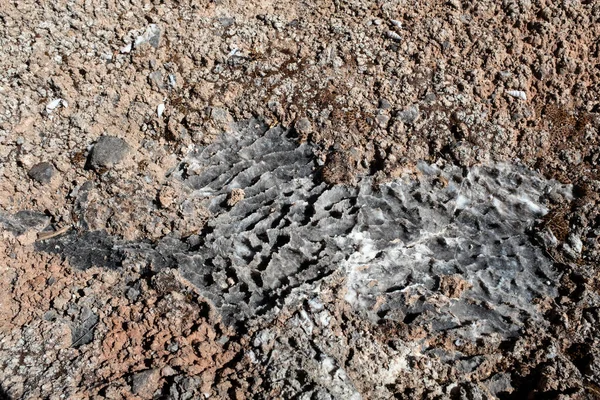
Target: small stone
(54, 104)
(575, 243)
(132, 294)
(303, 126)
(27, 238)
(409, 115)
(226, 22)
(107, 152)
(151, 36)
(384, 104)
(83, 326)
(156, 77)
(382, 120)
(172, 81)
(24, 221)
(124, 50)
(145, 383)
(519, 94)
(173, 347)
(235, 196)
(42, 172)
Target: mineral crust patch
(397, 244)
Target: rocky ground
(314, 200)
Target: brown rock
(453, 286)
(235, 196)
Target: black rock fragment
(42, 172)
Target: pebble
(107, 152)
(303, 126)
(151, 36)
(519, 94)
(54, 104)
(226, 21)
(382, 120)
(145, 383)
(42, 172)
(384, 104)
(220, 115)
(157, 78)
(132, 294)
(409, 115)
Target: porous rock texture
(416, 215)
(395, 242)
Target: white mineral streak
(519, 94)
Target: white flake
(394, 36)
(127, 48)
(519, 94)
(50, 107)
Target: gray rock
(157, 78)
(132, 294)
(151, 36)
(390, 245)
(226, 22)
(469, 391)
(86, 250)
(384, 104)
(382, 120)
(42, 172)
(172, 81)
(291, 229)
(145, 383)
(185, 388)
(575, 243)
(499, 383)
(24, 221)
(409, 115)
(220, 115)
(303, 126)
(108, 152)
(83, 326)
